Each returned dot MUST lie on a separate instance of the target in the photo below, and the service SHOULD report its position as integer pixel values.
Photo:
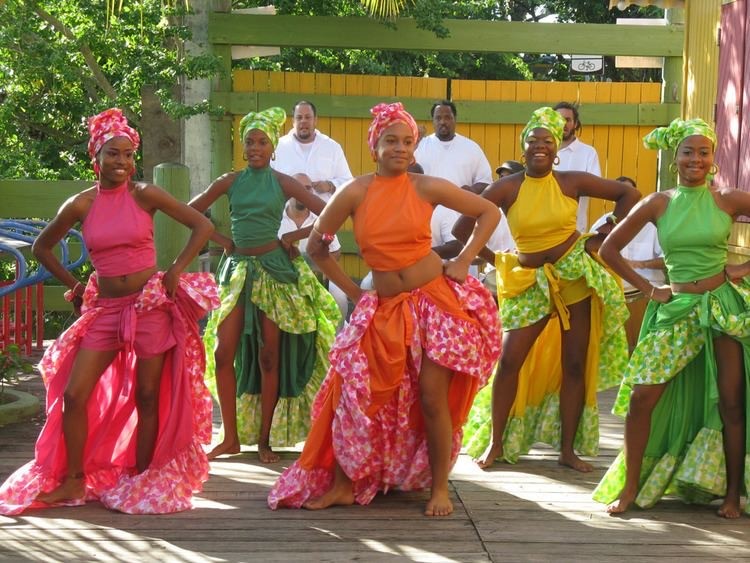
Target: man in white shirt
(446, 154)
(308, 150)
(297, 216)
(576, 155)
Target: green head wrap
(270, 121)
(544, 118)
(670, 137)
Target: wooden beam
(465, 35)
(239, 103)
(40, 199)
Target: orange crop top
(118, 233)
(392, 224)
(542, 215)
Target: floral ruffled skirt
(293, 298)
(526, 296)
(684, 455)
(367, 415)
(179, 466)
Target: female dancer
(267, 344)
(689, 371)
(405, 369)
(127, 410)
(562, 312)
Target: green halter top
(256, 205)
(693, 232)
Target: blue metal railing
(17, 233)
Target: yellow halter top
(542, 216)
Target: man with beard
(576, 155)
(456, 158)
(308, 150)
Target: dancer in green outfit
(685, 389)
(267, 345)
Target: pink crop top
(118, 233)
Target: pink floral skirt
(179, 466)
(367, 414)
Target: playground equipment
(18, 324)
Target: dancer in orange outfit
(406, 368)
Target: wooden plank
(471, 109)
(464, 35)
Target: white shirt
(501, 240)
(459, 160)
(288, 225)
(322, 159)
(441, 224)
(582, 157)
(644, 246)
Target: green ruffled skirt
(290, 295)
(535, 414)
(684, 455)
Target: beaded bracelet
(72, 293)
(327, 237)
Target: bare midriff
(700, 286)
(257, 250)
(119, 286)
(549, 255)
(388, 284)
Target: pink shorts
(149, 332)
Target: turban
(544, 118)
(270, 121)
(384, 115)
(672, 135)
(107, 125)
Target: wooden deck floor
(533, 511)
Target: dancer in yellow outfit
(546, 382)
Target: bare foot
(623, 503)
(266, 454)
(439, 504)
(338, 495)
(72, 488)
(572, 460)
(487, 459)
(225, 447)
(730, 508)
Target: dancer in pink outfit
(127, 411)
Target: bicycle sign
(586, 64)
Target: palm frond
(384, 8)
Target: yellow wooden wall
(619, 147)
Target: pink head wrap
(385, 115)
(107, 125)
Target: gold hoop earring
(522, 160)
(673, 168)
(556, 161)
(714, 170)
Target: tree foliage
(430, 15)
(63, 60)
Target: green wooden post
(169, 235)
(221, 135)
(671, 90)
